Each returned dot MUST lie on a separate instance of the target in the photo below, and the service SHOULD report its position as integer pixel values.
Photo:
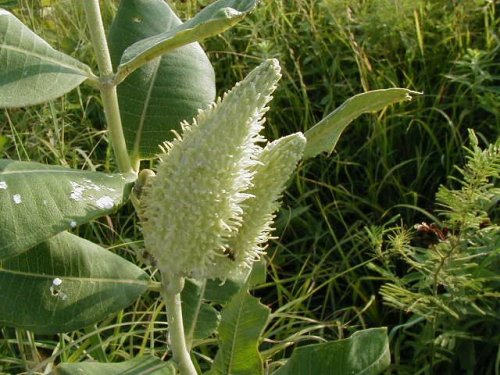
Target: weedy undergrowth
(448, 280)
(206, 213)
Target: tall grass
(386, 168)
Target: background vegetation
(342, 214)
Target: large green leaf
(31, 70)
(323, 136)
(136, 366)
(242, 323)
(66, 283)
(38, 201)
(158, 96)
(212, 20)
(364, 353)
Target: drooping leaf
(323, 136)
(242, 323)
(200, 319)
(38, 201)
(158, 96)
(32, 71)
(212, 20)
(66, 283)
(366, 352)
(136, 366)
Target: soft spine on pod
(211, 204)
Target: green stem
(172, 287)
(107, 86)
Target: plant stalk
(172, 287)
(107, 86)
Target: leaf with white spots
(66, 283)
(38, 201)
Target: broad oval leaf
(212, 20)
(158, 96)
(323, 136)
(38, 201)
(136, 366)
(66, 283)
(32, 71)
(366, 352)
(242, 323)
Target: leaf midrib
(233, 339)
(48, 59)
(74, 278)
(377, 360)
(140, 129)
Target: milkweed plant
(206, 208)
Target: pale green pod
(277, 162)
(193, 205)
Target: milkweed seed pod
(194, 210)
(277, 162)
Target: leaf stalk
(107, 86)
(172, 287)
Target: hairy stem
(172, 287)
(107, 86)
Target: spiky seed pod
(276, 164)
(193, 205)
